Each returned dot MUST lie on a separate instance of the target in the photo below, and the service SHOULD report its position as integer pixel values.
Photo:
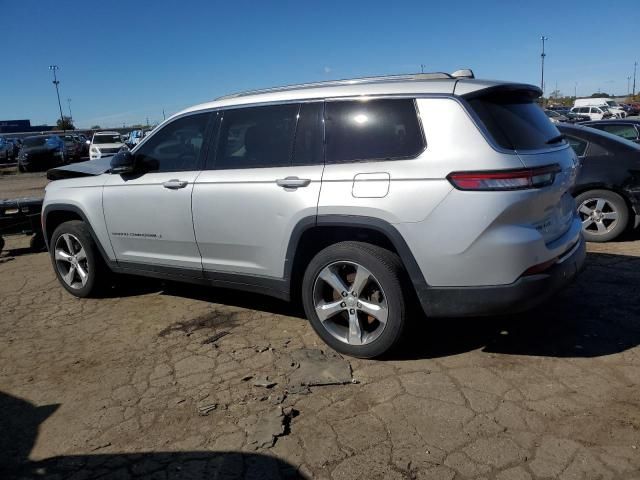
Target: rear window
(107, 138)
(385, 129)
(34, 141)
(515, 121)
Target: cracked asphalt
(174, 381)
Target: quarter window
(625, 131)
(578, 145)
(383, 129)
(177, 147)
(257, 137)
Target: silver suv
(354, 196)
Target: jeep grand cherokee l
(355, 196)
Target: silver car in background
(355, 196)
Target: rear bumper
(523, 294)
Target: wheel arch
(312, 234)
(56, 214)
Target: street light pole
(635, 66)
(628, 85)
(575, 90)
(69, 102)
(53, 68)
(542, 55)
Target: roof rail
(348, 81)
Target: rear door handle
(293, 182)
(175, 184)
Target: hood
(82, 169)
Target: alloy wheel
(598, 215)
(350, 303)
(71, 261)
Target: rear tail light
(521, 179)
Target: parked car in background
(72, 148)
(607, 189)
(41, 152)
(17, 144)
(461, 183)
(628, 129)
(134, 137)
(105, 144)
(83, 146)
(594, 113)
(608, 103)
(6, 151)
(555, 117)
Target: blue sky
(121, 62)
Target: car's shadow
(19, 424)
(598, 315)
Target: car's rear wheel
(76, 259)
(604, 215)
(352, 295)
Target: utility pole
(575, 90)
(53, 68)
(163, 116)
(635, 66)
(69, 102)
(422, 67)
(542, 55)
(628, 85)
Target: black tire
(36, 243)
(388, 273)
(613, 202)
(95, 268)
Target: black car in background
(41, 152)
(72, 148)
(607, 189)
(627, 129)
(6, 151)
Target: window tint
(256, 137)
(578, 145)
(309, 135)
(176, 147)
(596, 150)
(372, 130)
(515, 121)
(625, 131)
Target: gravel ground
(158, 380)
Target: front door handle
(293, 182)
(175, 184)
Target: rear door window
(256, 137)
(385, 129)
(515, 121)
(625, 131)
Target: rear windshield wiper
(556, 139)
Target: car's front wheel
(604, 215)
(352, 295)
(76, 259)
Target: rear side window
(515, 121)
(257, 137)
(384, 129)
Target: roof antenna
(463, 73)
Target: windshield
(107, 139)
(551, 113)
(611, 103)
(34, 141)
(515, 121)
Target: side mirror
(122, 162)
